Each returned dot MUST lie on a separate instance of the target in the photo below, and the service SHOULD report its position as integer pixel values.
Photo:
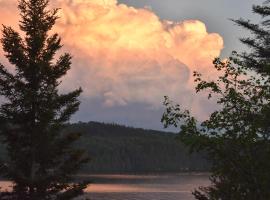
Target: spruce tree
(258, 57)
(40, 158)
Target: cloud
(124, 55)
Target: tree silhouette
(236, 136)
(33, 113)
(259, 41)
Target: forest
(114, 148)
(41, 152)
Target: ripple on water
(141, 196)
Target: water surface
(145, 187)
(141, 187)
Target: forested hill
(119, 149)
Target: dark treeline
(118, 149)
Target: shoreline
(132, 175)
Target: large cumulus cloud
(123, 55)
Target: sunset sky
(128, 54)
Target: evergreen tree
(40, 157)
(236, 136)
(259, 42)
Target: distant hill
(119, 149)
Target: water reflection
(140, 187)
(151, 187)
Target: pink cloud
(124, 55)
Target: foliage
(40, 160)
(236, 137)
(259, 41)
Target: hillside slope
(119, 149)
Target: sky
(129, 54)
(216, 14)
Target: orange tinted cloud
(124, 54)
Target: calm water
(150, 187)
(143, 187)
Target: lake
(142, 187)
(145, 187)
